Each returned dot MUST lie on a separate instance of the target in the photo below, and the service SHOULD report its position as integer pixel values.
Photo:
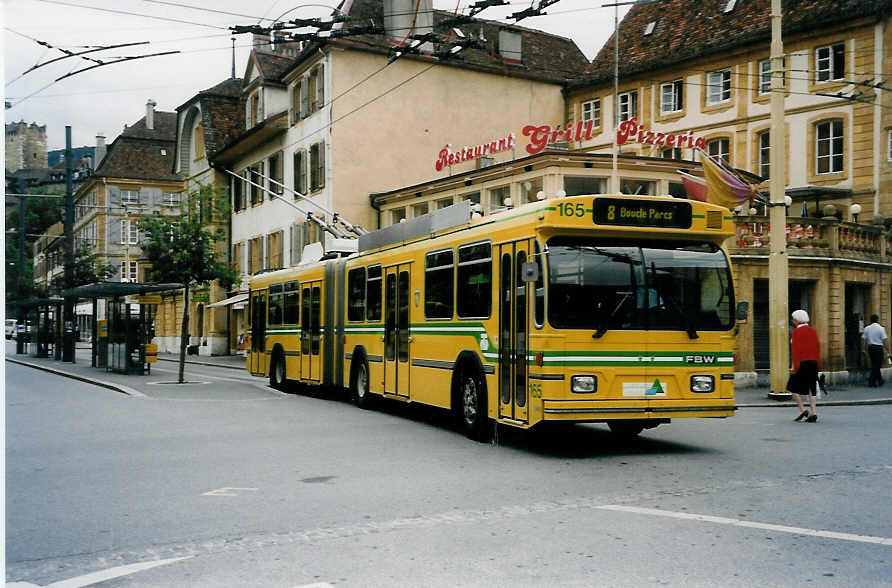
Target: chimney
(150, 114)
(261, 42)
(400, 15)
(100, 148)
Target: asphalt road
(251, 487)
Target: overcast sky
(106, 98)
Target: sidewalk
(137, 385)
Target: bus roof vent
(421, 226)
(713, 219)
(344, 246)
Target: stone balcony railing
(814, 237)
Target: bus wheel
(359, 385)
(472, 396)
(277, 372)
(625, 429)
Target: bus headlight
(702, 383)
(584, 384)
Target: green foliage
(40, 214)
(87, 269)
(183, 248)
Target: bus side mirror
(743, 309)
(530, 271)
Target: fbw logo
(700, 359)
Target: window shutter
(280, 242)
(321, 164)
(264, 255)
(303, 172)
(320, 87)
(114, 194)
(304, 98)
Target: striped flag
(724, 187)
(694, 186)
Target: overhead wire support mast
(336, 217)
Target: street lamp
(855, 209)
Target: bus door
(311, 331)
(259, 358)
(396, 330)
(514, 312)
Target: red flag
(694, 186)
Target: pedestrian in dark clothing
(806, 352)
(875, 344)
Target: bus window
(275, 304)
(474, 281)
(403, 317)
(373, 293)
(356, 283)
(539, 308)
(390, 320)
(292, 303)
(438, 284)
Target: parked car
(10, 328)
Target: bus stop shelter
(122, 342)
(41, 328)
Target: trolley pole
(68, 306)
(778, 270)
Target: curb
(819, 403)
(205, 363)
(110, 385)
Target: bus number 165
(570, 209)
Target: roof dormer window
(730, 6)
(649, 29)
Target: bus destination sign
(647, 213)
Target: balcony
(814, 237)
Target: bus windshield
(607, 285)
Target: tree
(40, 214)
(183, 249)
(87, 269)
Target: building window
(765, 76)
(765, 154)
(628, 105)
(170, 198)
(317, 166)
(529, 191)
(419, 210)
(198, 141)
(718, 148)
(300, 172)
(443, 203)
(317, 88)
(129, 232)
(672, 97)
(255, 255)
(829, 147)
(397, 215)
(640, 187)
(254, 110)
(718, 87)
(255, 175)
(238, 194)
(497, 197)
(276, 173)
(830, 62)
(304, 89)
(671, 153)
(576, 186)
(591, 111)
(129, 196)
(129, 271)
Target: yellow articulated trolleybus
(613, 309)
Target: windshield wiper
(602, 330)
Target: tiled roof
(231, 87)
(143, 154)
(223, 113)
(271, 65)
(688, 29)
(545, 56)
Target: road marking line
(228, 491)
(748, 524)
(112, 573)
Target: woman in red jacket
(806, 354)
